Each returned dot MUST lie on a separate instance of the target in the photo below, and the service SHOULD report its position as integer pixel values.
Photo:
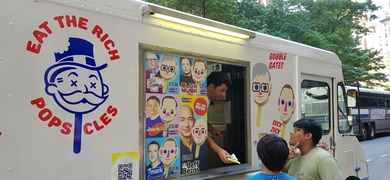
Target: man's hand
(216, 134)
(223, 155)
(294, 151)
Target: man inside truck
(217, 85)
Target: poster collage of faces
(176, 115)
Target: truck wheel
(371, 132)
(363, 135)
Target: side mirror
(352, 120)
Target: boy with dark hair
(273, 153)
(311, 162)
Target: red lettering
(39, 102)
(59, 20)
(105, 36)
(66, 128)
(275, 65)
(35, 48)
(112, 110)
(45, 26)
(45, 114)
(97, 30)
(71, 21)
(55, 121)
(39, 35)
(277, 56)
(97, 126)
(114, 55)
(83, 23)
(108, 43)
(105, 120)
(86, 130)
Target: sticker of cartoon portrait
(199, 133)
(261, 87)
(152, 72)
(168, 71)
(168, 112)
(199, 74)
(169, 152)
(286, 105)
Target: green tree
(334, 25)
(222, 10)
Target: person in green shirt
(306, 160)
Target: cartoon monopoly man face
(168, 109)
(75, 81)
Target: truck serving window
(177, 112)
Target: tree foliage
(334, 25)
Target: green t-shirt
(318, 164)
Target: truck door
(322, 101)
(316, 103)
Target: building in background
(379, 38)
(266, 2)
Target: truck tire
(371, 131)
(363, 135)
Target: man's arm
(223, 155)
(216, 134)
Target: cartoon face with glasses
(286, 105)
(261, 87)
(168, 111)
(168, 70)
(199, 133)
(168, 154)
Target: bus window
(351, 98)
(316, 102)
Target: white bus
(77, 77)
(373, 110)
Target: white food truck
(94, 89)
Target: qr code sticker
(125, 171)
